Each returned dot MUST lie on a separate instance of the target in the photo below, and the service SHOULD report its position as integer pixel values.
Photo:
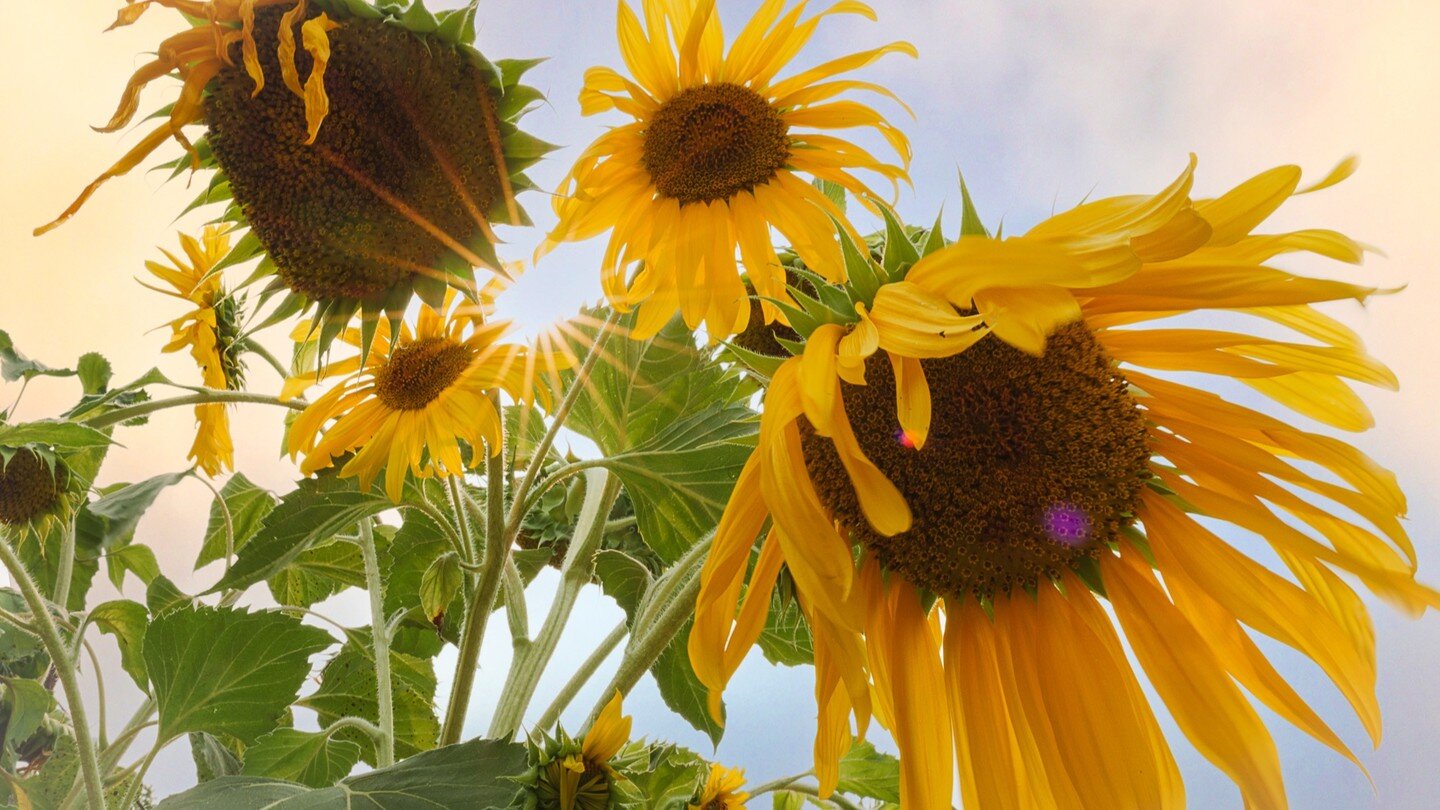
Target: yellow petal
(315, 36)
(912, 398)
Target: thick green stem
(60, 656)
(482, 604)
(115, 417)
(663, 617)
(380, 633)
(515, 608)
(601, 490)
(778, 784)
(470, 551)
(582, 676)
(138, 779)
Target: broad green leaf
(16, 645)
(94, 372)
(347, 689)
(418, 544)
(52, 433)
(673, 425)
(319, 574)
(475, 775)
(137, 559)
(243, 690)
(127, 622)
(786, 637)
(681, 690)
(248, 504)
(41, 555)
(162, 596)
(623, 578)
(26, 704)
(870, 773)
(213, 757)
(675, 778)
(310, 758)
(440, 585)
(316, 512)
(122, 509)
(14, 365)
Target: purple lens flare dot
(1067, 524)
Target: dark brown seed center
(1032, 464)
(416, 373)
(29, 487)
(713, 142)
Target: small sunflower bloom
(35, 488)
(581, 775)
(953, 533)
(368, 148)
(421, 391)
(723, 790)
(713, 159)
(211, 333)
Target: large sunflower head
(724, 790)
(958, 472)
(367, 147)
(419, 401)
(712, 160)
(211, 332)
(570, 774)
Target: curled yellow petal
(286, 49)
(315, 36)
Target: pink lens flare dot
(1067, 524)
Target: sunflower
(35, 488)
(722, 790)
(409, 402)
(974, 451)
(581, 775)
(212, 333)
(712, 160)
(367, 148)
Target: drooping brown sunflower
(212, 334)
(959, 471)
(713, 160)
(367, 147)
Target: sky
(1039, 104)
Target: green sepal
(859, 271)
(900, 252)
(832, 296)
(795, 347)
(970, 224)
(418, 19)
(457, 26)
(1088, 569)
(245, 249)
(936, 238)
(762, 365)
(512, 69)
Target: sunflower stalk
(67, 565)
(380, 632)
(65, 666)
(137, 778)
(494, 555)
(120, 415)
(662, 618)
(582, 675)
(531, 658)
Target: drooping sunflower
(723, 790)
(409, 403)
(973, 452)
(35, 489)
(569, 774)
(713, 160)
(211, 332)
(367, 147)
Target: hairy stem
(138, 779)
(380, 633)
(60, 656)
(115, 417)
(66, 571)
(601, 490)
(582, 676)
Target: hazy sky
(1038, 103)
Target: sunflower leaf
(122, 509)
(127, 622)
(681, 688)
(14, 365)
(347, 689)
(52, 433)
(247, 505)
(310, 758)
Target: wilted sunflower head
(368, 148)
(712, 159)
(570, 774)
(976, 442)
(35, 488)
(211, 332)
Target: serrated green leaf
(213, 757)
(94, 372)
(162, 596)
(122, 509)
(127, 621)
(479, 774)
(786, 638)
(137, 559)
(14, 365)
(245, 690)
(870, 773)
(312, 514)
(622, 578)
(248, 504)
(419, 543)
(318, 574)
(26, 704)
(52, 433)
(675, 777)
(348, 689)
(309, 758)
(682, 690)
